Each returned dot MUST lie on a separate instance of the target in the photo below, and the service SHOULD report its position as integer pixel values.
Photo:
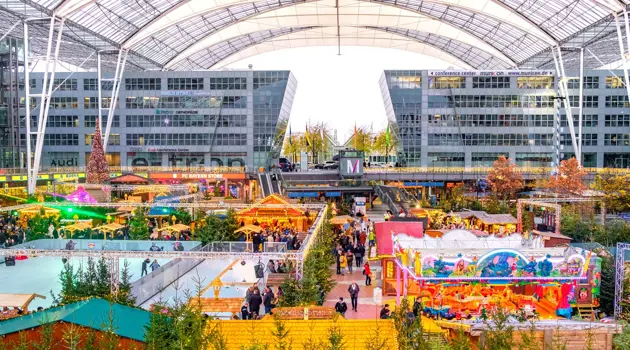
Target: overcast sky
(339, 89)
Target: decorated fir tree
(97, 169)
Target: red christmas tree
(97, 169)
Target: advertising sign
(351, 166)
(491, 73)
(359, 205)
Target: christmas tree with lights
(97, 169)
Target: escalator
(395, 199)
(275, 184)
(265, 185)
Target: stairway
(586, 312)
(356, 333)
(395, 198)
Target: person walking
(155, 265)
(342, 262)
(349, 258)
(145, 263)
(368, 274)
(359, 251)
(244, 312)
(255, 302)
(338, 260)
(354, 295)
(341, 307)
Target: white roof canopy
(169, 34)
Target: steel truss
(33, 162)
(564, 96)
(116, 81)
(207, 205)
(619, 276)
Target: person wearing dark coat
(354, 295)
(268, 301)
(255, 302)
(145, 263)
(341, 307)
(359, 252)
(244, 312)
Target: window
(617, 121)
(486, 159)
(490, 139)
(589, 83)
(62, 84)
(617, 101)
(491, 82)
(228, 83)
(33, 84)
(616, 139)
(533, 159)
(447, 160)
(587, 140)
(230, 140)
(614, 83)
(588, 120)
(263, 79)
(64, 103)
(197, 120)
(114, 139)
(143, 84)
(185, 83)
(90, 121)
(140, 102)
(61, 140)
(92, 102)
(92, 84)
(447, 82)
(63, 121)
(411, 81)
(534, 82)
(491, 101)
(587, 101)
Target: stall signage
(303, 194)
(333, 194)
(423, 184)
(491, 73)
(197, 176)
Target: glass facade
(469, 118)
(220, 118)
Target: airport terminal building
(195, 118)
(454, 118)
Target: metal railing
(105, 245)
(134, 169)
(485, 170)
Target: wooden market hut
(129, 323)
(248, 230)
(109, 229)
(79, 226)
(290, 214)
(176, 229)
(499, 224)
(35, 210)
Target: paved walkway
(367, 308)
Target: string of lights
(207, 205)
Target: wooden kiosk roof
(129, 179)
(18, 300)
(259, 209)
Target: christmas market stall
(176, 229)
(461, 275)
(497, 224)
(247, 230)
(70, 230)
(110, 229)
(284, 214)
(43, 211)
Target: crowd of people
(351, 248)
(254, 299)
(11, 232)
(277, 235)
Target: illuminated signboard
(491, 73)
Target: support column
(405, 282)
(562, 86)
(622, 49)
(227, 189)
(114, 274)
(398, 284)
(120, 69)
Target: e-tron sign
(491, 73)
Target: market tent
(79, 226)
(177, 228)
(110, 227)
(341, 220)
(32, 211)
(249, 228)
(18, 300)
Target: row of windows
(588, 120)
(228, 83)
(490, 101)
(186, 120)
(231, 139)
(262, 79)
(92, 85)
(185, 83)
(92, 102)
(617, 140)
(588, 83)
(587, 101)
(114, 139)
(72, 121)
(490, 140)
(587, 140)
(90, 121)
(492, 120)
(617, 120)
(617, 101)
(491, 82)
(61, 140)
(405, 81)
(143, 84)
